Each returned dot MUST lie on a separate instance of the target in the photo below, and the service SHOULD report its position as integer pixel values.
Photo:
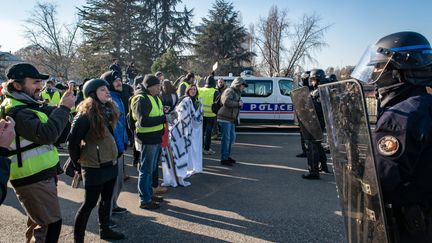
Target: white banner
(185, 142)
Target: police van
(266, 100)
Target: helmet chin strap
(388, 78)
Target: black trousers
(208, 124)
(315, 155)
(92, 193)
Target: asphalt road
(262, 198)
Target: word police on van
(266, 99)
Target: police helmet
(318, 74)
(305, 75)
(91, 86)
(331, 78)
(407, 53)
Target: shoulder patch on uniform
(388, 145)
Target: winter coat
(230, 103)
(120, 134)
(142, 107)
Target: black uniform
(401, 70)
(403, 138)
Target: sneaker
(206, 152)
(119, 210)
(232, 160)
(109, 234)
(226, 162)
(302, 155)
(150, 205)
(158, 199)
(159, 190)
(310, 176)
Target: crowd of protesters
(98, 120)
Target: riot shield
(350, 142)
(306, 114)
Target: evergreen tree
(169, 64)
(221, 37)
(135, 30)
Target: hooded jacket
(230, 102)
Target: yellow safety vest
(157, 110)
(207, 95)
(36, 159)
(52, 101)
(185, 83)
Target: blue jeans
(149, 156)
(228, 138)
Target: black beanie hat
(150, 80)
(110, 77)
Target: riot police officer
(315, 153)
(304, 82)
(400, 66)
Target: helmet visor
(371, 65)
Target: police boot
(324, 167)
(310, 176)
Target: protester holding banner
(227, 117)
(147, 111)
(186, 137)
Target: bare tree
(308, 36)
(56, 43)
(272, 31)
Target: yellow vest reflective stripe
(207, 99)
(157, 110)
(54, 100)
(34, 160)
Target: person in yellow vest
(208, 95)
(187, 81)
(74, 85)
(50, 94)
(35, 161)
(148, 114)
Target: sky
(355, 24)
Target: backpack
(217, 104)
(129, 118)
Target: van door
(259, 101)
(285, 111)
